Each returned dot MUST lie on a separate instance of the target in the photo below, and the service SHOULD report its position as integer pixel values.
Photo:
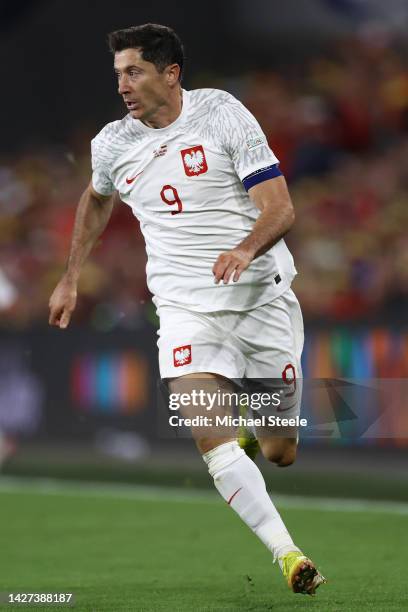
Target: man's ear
(172, 74)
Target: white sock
(241, 484)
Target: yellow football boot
(301, 574)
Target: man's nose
(123, 85)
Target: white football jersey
(184, 184)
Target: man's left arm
(276, 218)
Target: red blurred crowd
(338, 124)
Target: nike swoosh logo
(233, 495)
(129, 181)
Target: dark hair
(159, 44)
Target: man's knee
(279, 451)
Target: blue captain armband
(263, 174)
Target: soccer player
(213, 206)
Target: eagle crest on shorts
(194, 160)
(182, 355)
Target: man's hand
(62, 303)
(232, 262)
(92, 215)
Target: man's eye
(134, 73)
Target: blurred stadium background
(329, 85)
(328, 81)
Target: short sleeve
(243, 139)
(101, 181)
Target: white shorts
(264, 343)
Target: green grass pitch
(141, 553)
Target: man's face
(143, 89)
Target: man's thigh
(208, 400)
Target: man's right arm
(92, 216)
